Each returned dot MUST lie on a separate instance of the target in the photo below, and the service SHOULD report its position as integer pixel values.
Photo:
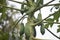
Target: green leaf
(42, 29)
(46, 25)
(39, 2)
(49, 21)
(3, 9)
(56, 16)
(58, 30)
(6, 36)
(2, 2)
(59, 26)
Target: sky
(45, 12)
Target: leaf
(38, 2)
(58, 30)
(3, 9)
(49, 21)
(42, 30)
(56, 15)
(6, 36)
(59, 26)
(46, 25)
(2, 1)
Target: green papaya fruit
(21, 29)
(39, 18)
(34, 30)
(42, 29)
(29, 31)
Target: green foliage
(39, 2)
(50, 22)
(3, 9)
(2, 1)
(46, 25)
(57, 15)
(4, 35)
(58, 30)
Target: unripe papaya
(21, 29)
(34, 30)
(29, 31)
(42, 29)
(39, 18)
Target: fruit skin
(34, 30)
(29, 31)
(39, 18)
(21, 29)
(42, 29)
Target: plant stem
(52, 22)
(18, 2)
(53, 34)
(54, 4)
(43, 5)
(34, 11)
(10, 7)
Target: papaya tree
(14, 29)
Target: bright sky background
(45, 12)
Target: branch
(52, 22)
(40, 39)
(12, 8)
(53, 34)
(54, 4)
(18, 21)
(43, 19)
(18, 2)
(34, 10)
